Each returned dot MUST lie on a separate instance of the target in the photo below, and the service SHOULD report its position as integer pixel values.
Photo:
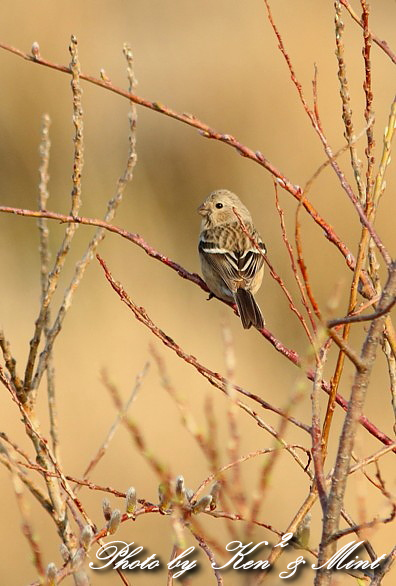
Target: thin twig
(361, 535)
(293, 265)
(53, 277)
(45, 258)
(133, 428)
(120, 415)
(382, 44)
(10, 363)
(366, 525)
(352, 319)
(317, 451)
(336, 155)
(355, 359)
(302, 265)
(27, 528)
(346, 99)
(204, 546)
(374, 458)
(275, 276)
(43, 450)
(34, 489)
(216, 475)
(384, 568)
(266, 475)
(112, 206)
(237, 492)
(276, 552)
(341, 177)
(368, 111)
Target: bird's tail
(248, 309)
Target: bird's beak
(203, 210)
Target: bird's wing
(229, 262)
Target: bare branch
(382, 44)
(209, 132)
(353, 319)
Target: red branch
(208, 132)
(214, 378)
(290, 354)
(382, 44)
(341, 176)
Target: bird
(232, 265)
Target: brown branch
(293, 265)
(27, 528)
(382, 44)
(207, 443)
(265, 476)
(368, 112)
(237, 492)
(302, 265)
(112, 206)
(361, 535)
(290, 354)
(132, 237)
(35, 490)
(317, 448)
(366, 525)
(213, 378)
(355, 407)
(10, 363)
(161, 470)
(218, 381)
(216, 475)
(373, 458)
(352, 319)
(204, 546)
(45, 257)
(120, 415)
(384, 568)
(311, 115)
(349, 132)
(353, 357)
(44, 452)
(78, 481)
(53, 277)
(276, 277)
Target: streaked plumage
(231, 265)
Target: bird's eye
(219, 205)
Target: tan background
(219, 61)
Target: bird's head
(217, 209)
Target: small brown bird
(231, 265)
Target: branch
(311, 115)
(355, 408)
(384, 568)
(289, 353)
(382, 44)
(274, 274)
(208, 132)
(346, 100)
(213, 378)
(53, 277)
(353, 319)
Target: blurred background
(220, 62)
